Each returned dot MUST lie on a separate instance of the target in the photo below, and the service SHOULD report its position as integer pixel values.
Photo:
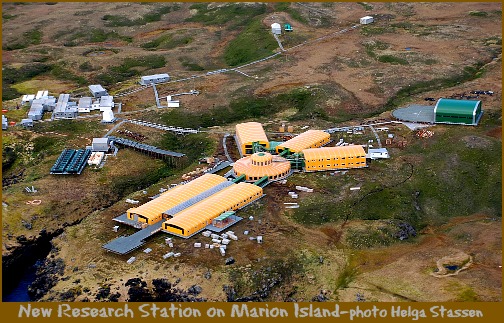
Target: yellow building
(262, 164)
(152, 212)
(308, 139)
(198, 216)
(248, 133)
(331, 158)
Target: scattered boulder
(195, 290)
(230, 261)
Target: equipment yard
(252, 152)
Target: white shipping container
(177, 254)
(215, 236)
(206, 233)
(222, 252)
(224, 236)
(259, 239)
(131, 260)
(197, 245)
(148, 250)
(216, 240)
(233, 237)
(225, 241)
(168, 255)
(207, 245)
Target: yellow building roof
(250, 132)
(305, 140)
(277, 166)
(177, 195)
(212, 207)
(331, 152)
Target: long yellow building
(198, 216)
(152, 212)
(331, 158)
(308, 139)
(248, 133)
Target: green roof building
(458, 111)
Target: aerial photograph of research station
(251, 152)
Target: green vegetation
(194, 146)
(286, 7)
(120, 21)
(370, 30)
(126, 70)
(10, 76)
(478, 13)
(467, 295)
(249, 107)
(6, 16)
(369, 237)
(190, 65)
(99, 35)
(345, 277)
(127, 184)
(168, 42)
(392, 60)
(31, 37)
(366, 6)
(238, 13)
(468, 73)
(251, 44)
(375, 45)
(451, 179)
(60, 72)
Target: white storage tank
(276, 28)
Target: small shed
(27, 122)
(27, 98)
(377, 153)
(100, 144)
(287, 27)
(366, 20)
(97, 90)
(276, 28)
(467, 112)
(156, 78)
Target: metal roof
(307, 139)
(96, 88)
(177, 195)
(331, 152)
(250, 132)
(107, 101)
(148, 148)
(100, 140)
(231, 198)
(155, 76)
(457, 107)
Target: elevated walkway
(126, 244)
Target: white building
(172, 103)
(377, 153)
(276, 28)
(366, 20)
(108, 116)
(100, 144)
(97, 90)
(156, 78)
(42, 95)
(106, 103)
(27, 98)
(64, 108)
(84, 104)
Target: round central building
(262, 164)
